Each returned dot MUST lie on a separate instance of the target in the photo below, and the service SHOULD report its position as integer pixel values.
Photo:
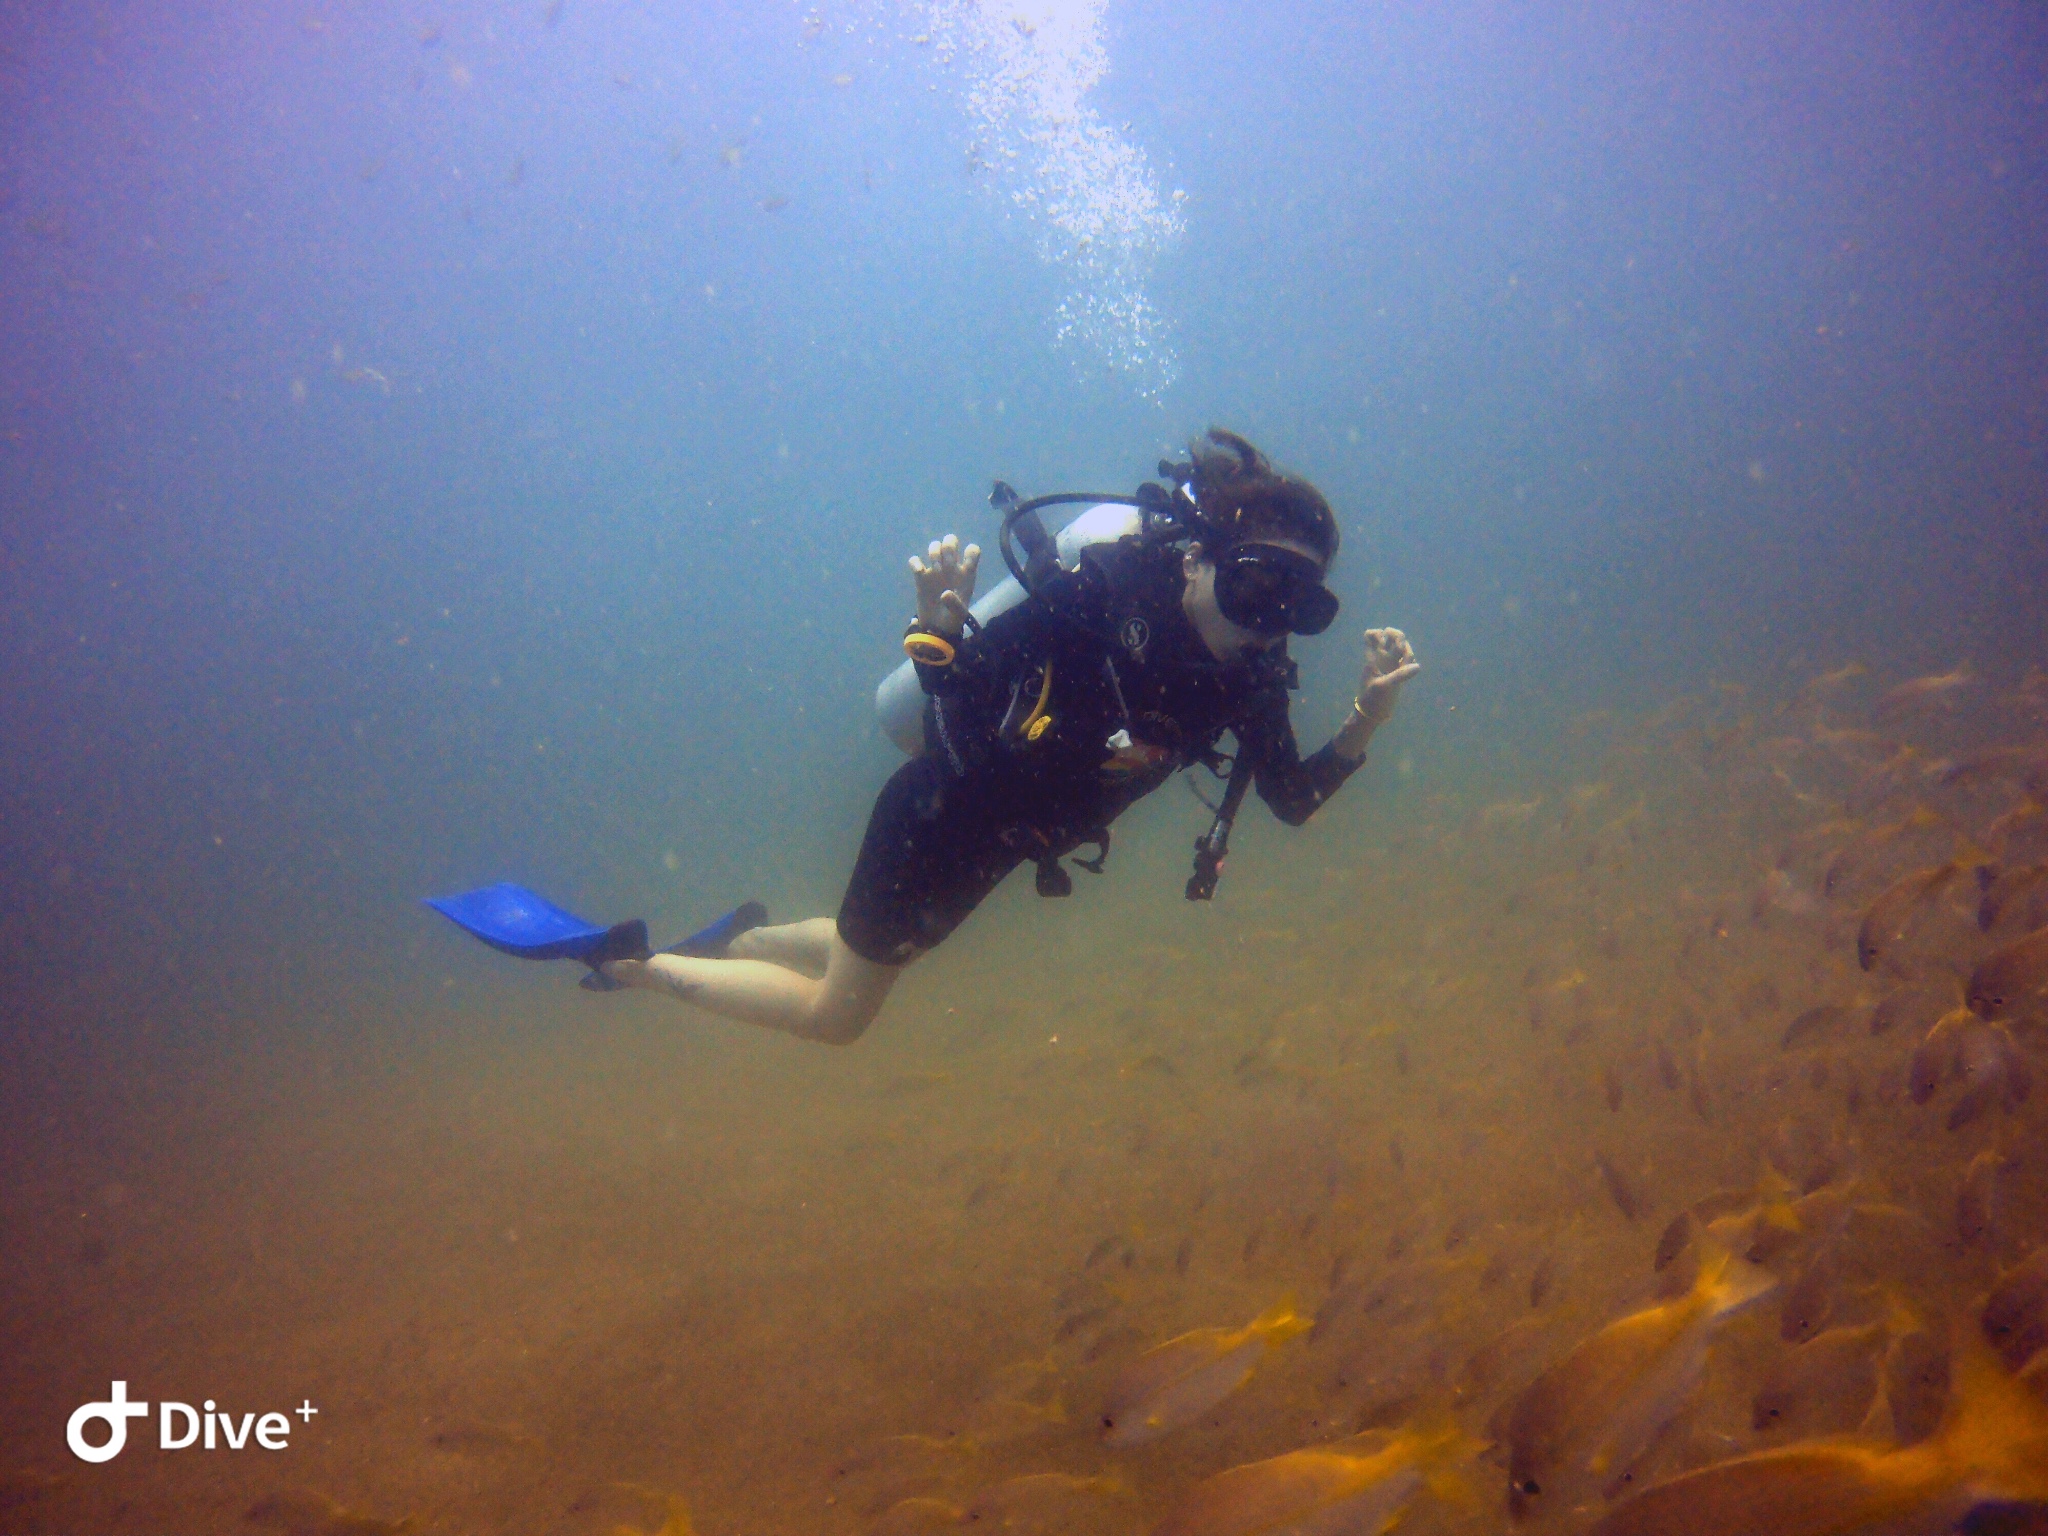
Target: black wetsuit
(1005, 778)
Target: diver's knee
(851, 993)
(841, 1027)
(841, 1021)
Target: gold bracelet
(1359, 710)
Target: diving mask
(1271, 590)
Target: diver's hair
(1242, 497)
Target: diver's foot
(614, 976)
(625, 941)
(713, 940)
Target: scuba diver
(1119, 656)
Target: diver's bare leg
(834, 1008)
(804, 946)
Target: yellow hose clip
(1035, 725)
(928, 649)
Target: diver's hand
(945, 583)
(1389, 662)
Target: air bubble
(1088, 192)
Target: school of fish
(1854, 1339)
(1651, 1151)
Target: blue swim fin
(712, 940)
(516, 921)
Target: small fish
(1541, 1278)
(1826, 1385)
(2015, 1317)
(2001, 888)
(25, 1485)
(1755, 1224)
(1925, 1070)
(1814, 1024)
(1779, 892)
(1175, 1383)
(1676, 1238)
(1357, 1485)
(1980, 1202)
(917, 1516)
(2015, 763)
(551, 13)
(1849, 742)
(1991, 1450)
(904, 1084)
(1811, 1301)
(1152, 1064)
(885, 1470)
(1038, 1500)
(366, 376)
(302, 1512)
(1996, 1071)
(2022, 818)
(1120, 1340)
(1916, 1385)
(1937, 691)
(1885, 923)
(1828, 681)
(1696, 1093)
(1921, 818)
(774, 202)
(2009, 977)
(1086, 1318)
(1667, 1068)
(482, 1440)
(1582, 1423)
(1758, 998)
(1628, 1198)
(1610, 1085)
(1336, 1305)
(1906, 1005)
(1508, 1354)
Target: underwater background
(450, 443)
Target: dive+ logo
(269, 1432)
(1135, 633)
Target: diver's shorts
(935, 846)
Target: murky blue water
(470, 442)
